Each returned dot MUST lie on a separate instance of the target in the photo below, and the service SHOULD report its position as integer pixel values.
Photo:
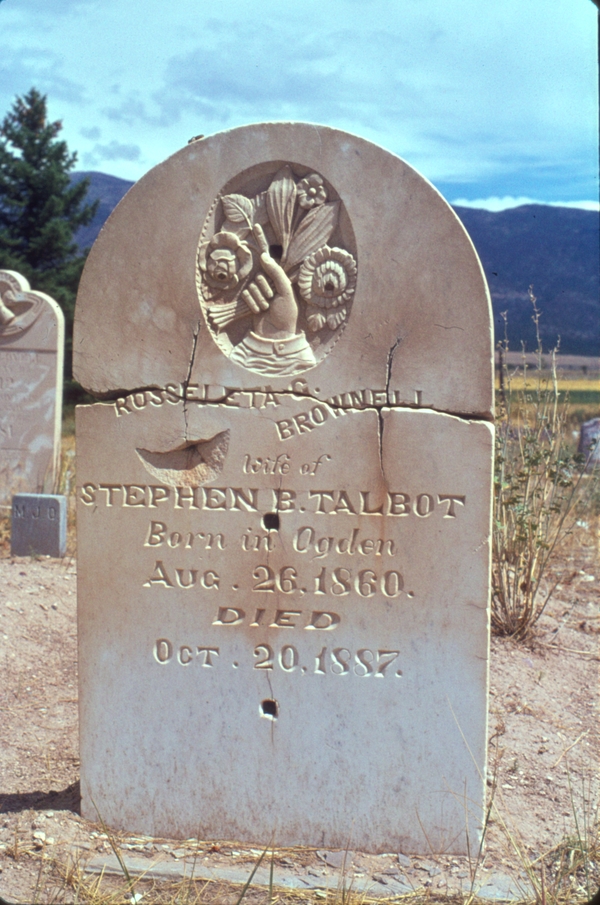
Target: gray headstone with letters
(38, 525)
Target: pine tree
(40, 209)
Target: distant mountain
(555, 249)
(108, 190)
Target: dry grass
(562, 876)
(542, 487)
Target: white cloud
(492, 100)
(112, 151)
(581, 205)
(41, 68)
(92, 133)
(54, 8)
(495, 203)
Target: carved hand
(275, 309)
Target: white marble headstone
(284, 502)
(31, 379)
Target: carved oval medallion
(19, 306)
(276, 268)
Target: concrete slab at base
(39, 525)
(493, 887)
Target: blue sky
(494, 103)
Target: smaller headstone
(31, 378)
(39, 525)
(589, 442)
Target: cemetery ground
(542, 840)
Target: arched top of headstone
(21, 308)
(288, 256)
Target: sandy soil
(543, 759)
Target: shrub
(540, 488)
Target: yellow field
(565, 384)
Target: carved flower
(315, 319)
(335, 318)
(311, 191)
(327, 278)
(225, 260)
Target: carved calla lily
(280, 200)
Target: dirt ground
(542, 772)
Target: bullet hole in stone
(276, 251)
(269, 709)
(271, 521)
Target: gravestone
(589, 442)
(284, 501)
(31, 376)
(38, 524)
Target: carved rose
(225, 260)
(311, 191)
(327, 278)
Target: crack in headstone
(186, 382)
(388, 378)
(120, 395)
